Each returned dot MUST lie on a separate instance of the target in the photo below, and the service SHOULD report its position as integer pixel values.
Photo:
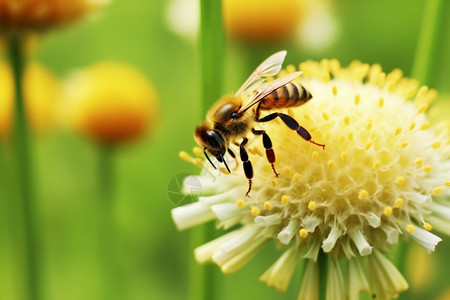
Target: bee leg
(258, 110)
(268, 145)
(248, 169)
(233, 156)
(292, 124)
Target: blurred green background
(151, 256)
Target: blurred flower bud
(261, 20)
(32, 15)
(41, 91)
(109, 102)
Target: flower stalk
(212, 43)
(25, 204)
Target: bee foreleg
(248, 169)
(268, 145)
(233, 156)
(292, 124)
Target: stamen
(381, 102)
(410, 228)
(437, 191)
(413, 124)
(303, 233)
(255, 211)
(344, 156)
(287, 170)
(296, 177)
(314, 155)
(369, 124)
(427, 226)
(185, 156)
(436, 144)
(331, 164)
(404, 144)
(273, 183)
(427, 169)
(363, 194)
(312, 205)
(399, 202)
(240, 203)
(418, 161)
(423, 108)
(334, 89)
(400, 180)
(376, 165)
(198, 151)
(388, 211)
(425, 126)
(357, 99)
(285, 199)
(447, 183)
(347, 120)
(267, 205)
(325, 116)
(398, 131)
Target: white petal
(330, 241)
(269, 220)
(335, 281)
(357, 279)
(205, 252)
(387, 281)
(288, 232)
(226, 211)
(425, 238)
(191, 215)
(360, 242)
(310, 284)
(391, 234)
(280, 273)
(237, 261)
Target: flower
(383, 176)
(24, 15)
(109, 102)
(262, 20)
(41, 92)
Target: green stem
(113, 285)
(212, 44)
(426, 56)
(25, 204)
(322, 261)
(424, 64)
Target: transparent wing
(267, 88)
(270, 67)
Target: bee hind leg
(248, 169)
(292, 124)
(267, 142)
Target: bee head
(211, 140)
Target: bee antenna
(207, 157)
(225, 163)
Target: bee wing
(270, 67)
(267, 88)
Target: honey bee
(232, 118)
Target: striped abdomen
(292, 94)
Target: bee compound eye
(215, 139)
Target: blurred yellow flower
(109, 102)
(261, 20)
(20, 15)
(41, 91)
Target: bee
(233, 117)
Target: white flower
(384, 175)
